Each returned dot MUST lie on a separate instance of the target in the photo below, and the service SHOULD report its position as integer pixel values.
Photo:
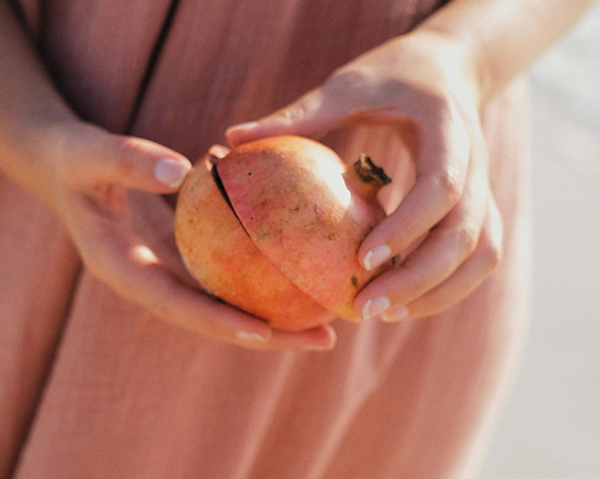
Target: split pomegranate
(274, 228)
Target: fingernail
(316, 347)
(171, 172)
(395, 315)
(218, 151)
(247, 336)
(375, 306)
(376, 257)
(241, 127)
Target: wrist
(461, 60)
(472, 62)
(30, 155)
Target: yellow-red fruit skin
(295, 202)
(219, 254)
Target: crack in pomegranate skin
(307, 213)
(215, 174)
(220, 255)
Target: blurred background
(550, 427)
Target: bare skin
(436, 79)
(83, 172)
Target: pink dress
(92, 386)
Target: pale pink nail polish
(171, 172)
(247, 336)
(376, 257)
(375, 306)
(241, 127)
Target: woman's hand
(86, 175)
(425, 80)
(90, 174)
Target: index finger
(441, 171)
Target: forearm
(505, 36)
(29, 105)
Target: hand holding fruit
(86, 175)
(273, 228)
(427, 80)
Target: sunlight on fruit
(331, 174)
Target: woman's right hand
(88, 173)
(83, 173)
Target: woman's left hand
(428, 80)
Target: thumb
(313, 115)
(92, 155)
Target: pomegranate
(274, 228)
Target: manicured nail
(395, 315)
(375, 306)
(247, 336)
(171, 172)
(316, 347)
(241, 127)
(376, 257)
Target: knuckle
(492, 254)
(449, 183)
(293, 113)
(126, 152)
(359, 85)
(467, 238)
(412, 288)
(353, 80)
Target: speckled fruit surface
(274, 228)
(304, 213)
(221, 257)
